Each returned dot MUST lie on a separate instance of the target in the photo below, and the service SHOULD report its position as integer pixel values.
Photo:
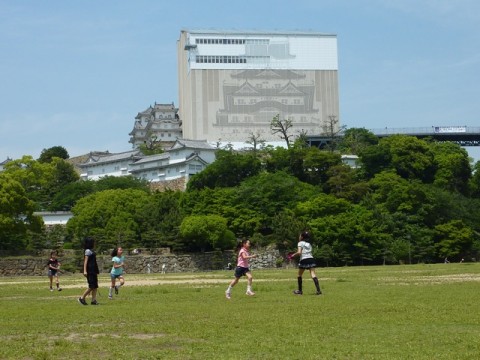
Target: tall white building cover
(233, 83)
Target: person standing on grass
(304, 249)
(242, 268)
(90, 271)
(53, 270)
(117, 271)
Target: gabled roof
(151, 158)
(165, 107)
(197, 144)
(246, 89)
(194, 156)
(103, 159)
(148, 111)
(290, 89)
(5, 161)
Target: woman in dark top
(90, 271)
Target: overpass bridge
(462, 135)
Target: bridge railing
(431, 130)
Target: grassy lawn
(378, 312)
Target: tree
(122, 182)
(41, 181)
(242, 220)
(228, 170)
(321, 205)
(278, 159)
(286, 227)
(453, 167)
(17, 221)
(268, 194)
(152, 145)
(324, 253)
(68, 196)
(355, 140)
(453, 239)
(374, 159)
(411, 158)
(316, 165)
(111, 216)
(160, 220)
(207, 232)
(343, 182)
(62, 175)
(256, 141)
(281, 127)
(55, 237)
(474, 183)
(331, 130)
(47, 155)
(355, 236)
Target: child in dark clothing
(53, 270)
(90, 271)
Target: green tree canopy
(355, 140)
(411, 158)
(453, 239)
(47, 155)
(16, 215)
(474, 183)
(229, 169)
(41, 181)
(111, 216)
(453, 167)
(68, 196)
(207, 232)
(121, 182)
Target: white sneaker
(249, 293)
(110, 297)
(228, 295)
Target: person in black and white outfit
(306, 262)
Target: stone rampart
(142, 263)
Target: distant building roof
(256, 32)
(197, 144)
(151, 158)
(5, 161)
(102, 159)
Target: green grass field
(378, 312)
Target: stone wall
(141, 263)
(174, 185)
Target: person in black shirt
(90, 271)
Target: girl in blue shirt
(117, 271)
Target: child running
(53, 270)
(117, 271)
(242, 269)
(307, 261)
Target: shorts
(92, 280)
(307, 263)
(241, 271)
(52, 272)
(114, 276)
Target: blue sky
(76, 73)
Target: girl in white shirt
(304, 249)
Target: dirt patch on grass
(78, 281)
(433, 279)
